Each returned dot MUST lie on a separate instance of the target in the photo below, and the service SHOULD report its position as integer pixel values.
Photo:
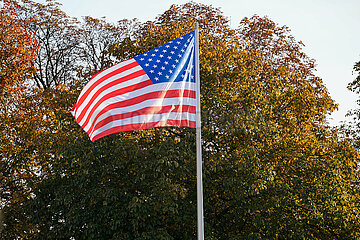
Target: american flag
(153, 89)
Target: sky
(328, 28)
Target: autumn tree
(30, 141)
(18, 49)
(352, 127)
(57, 60)
(269, 153)
(273, 168)
(57, 34)
(17, 46)
(29, 60)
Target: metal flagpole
(200, 209)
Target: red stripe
(141, 126)
(115, 93)
(144, 111)
(135, 100)
(103, 78)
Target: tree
(17, 45)
(98, 37)
(352, 127)
(273, 167)
(30, 144)
(18, 49)
(58, 39)
(268, 151)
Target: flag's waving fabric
(153, 89)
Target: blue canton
(171, 62)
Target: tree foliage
(273, 168)
(56, 33)
(352, 126)
(18, 47)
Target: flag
(154, 89)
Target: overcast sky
(328, 28)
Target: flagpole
(200, 209)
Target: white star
(169, 57)
(150, 59)
(166, 62)
(178, 42)
(159, 73)
(170, 71)
(161, 55)
(182, 50)
(179, 55)
(151, 71)
(175, 47)
(156, 79)
(153, 55)
(162, 68)
(145, 54)
(176, 60)
(172, 52)
(173, 66)
(167, 76)
(155, 66)
(156, 50)
(167, 46)
(158, 61)
(146, 65)
(141, 59)
(164, 51)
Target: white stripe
(105, 72)
(130, 95)
(146, 119)
(109, 80)
(159, 102)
